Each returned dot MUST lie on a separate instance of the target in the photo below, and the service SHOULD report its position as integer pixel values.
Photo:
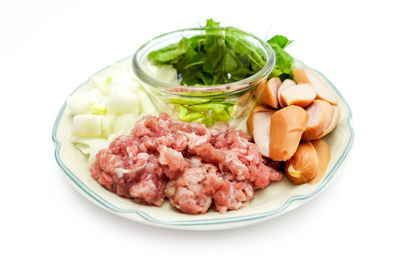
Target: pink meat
(188, 193)
(233, 195)
(190, 164)
(150, 189)
(172, 158)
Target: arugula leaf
(212, 23)
(284, 62)
(280, 40)
(217, 57)
(169, 53)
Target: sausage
(258, 124)
(324, 154)
(303, 166)
(287, 126)
(319, 119)
(250, 120)
(285, 84)
(301, 95)
(334, 121)
(324, 92)
(268, 92)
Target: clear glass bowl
(168, 97)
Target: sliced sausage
(324, 155)
(259, 126)
(301, 95)
(319, 119)
(287, 126)
(285, 84)
(268, 92)
(324, 91)
(334, 121)
(250, 120)
(303, 166)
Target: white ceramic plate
(273, 201)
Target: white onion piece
(146, 106)
(87, 125)
(150, 68)
(124, 81)
(108, 123)
(168, 74)
(88, 145)
(80, 103)
(165, 73)
(122, 101)
(124, 123)
(101, 82)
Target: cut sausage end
(250, 119)
(301, 95)
(287, 126)
(285, 84)
(323, 90)
(334, 121)
(324, 154)
(303, 166)
(261, 131)
(269, 95)
(319, 119)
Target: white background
(47, 48)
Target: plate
(275, 200)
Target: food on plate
(193, 109)
(309, 163)
(214, 67)
(216, 57)
(302, 167)
(111, 106)
(258, 124)
(319, 119)
(309, 76)
(285, 84)
(334, 120)
(206, 81)
(301, 95)
(284, 64)
(190, 164)
(277, 133)
(87, 125)
(324, 154)
(287, 126)
(268, 92)
(250, 120)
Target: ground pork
(191, 165)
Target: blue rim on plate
(197, 222)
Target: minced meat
(191, 165)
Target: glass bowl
(229, 102)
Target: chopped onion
(87, 125)
(122, 101)
(80, 103)
(124, 123)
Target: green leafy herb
(221, 55)
(284, 62)
(188, 101)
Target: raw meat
(193, 166)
